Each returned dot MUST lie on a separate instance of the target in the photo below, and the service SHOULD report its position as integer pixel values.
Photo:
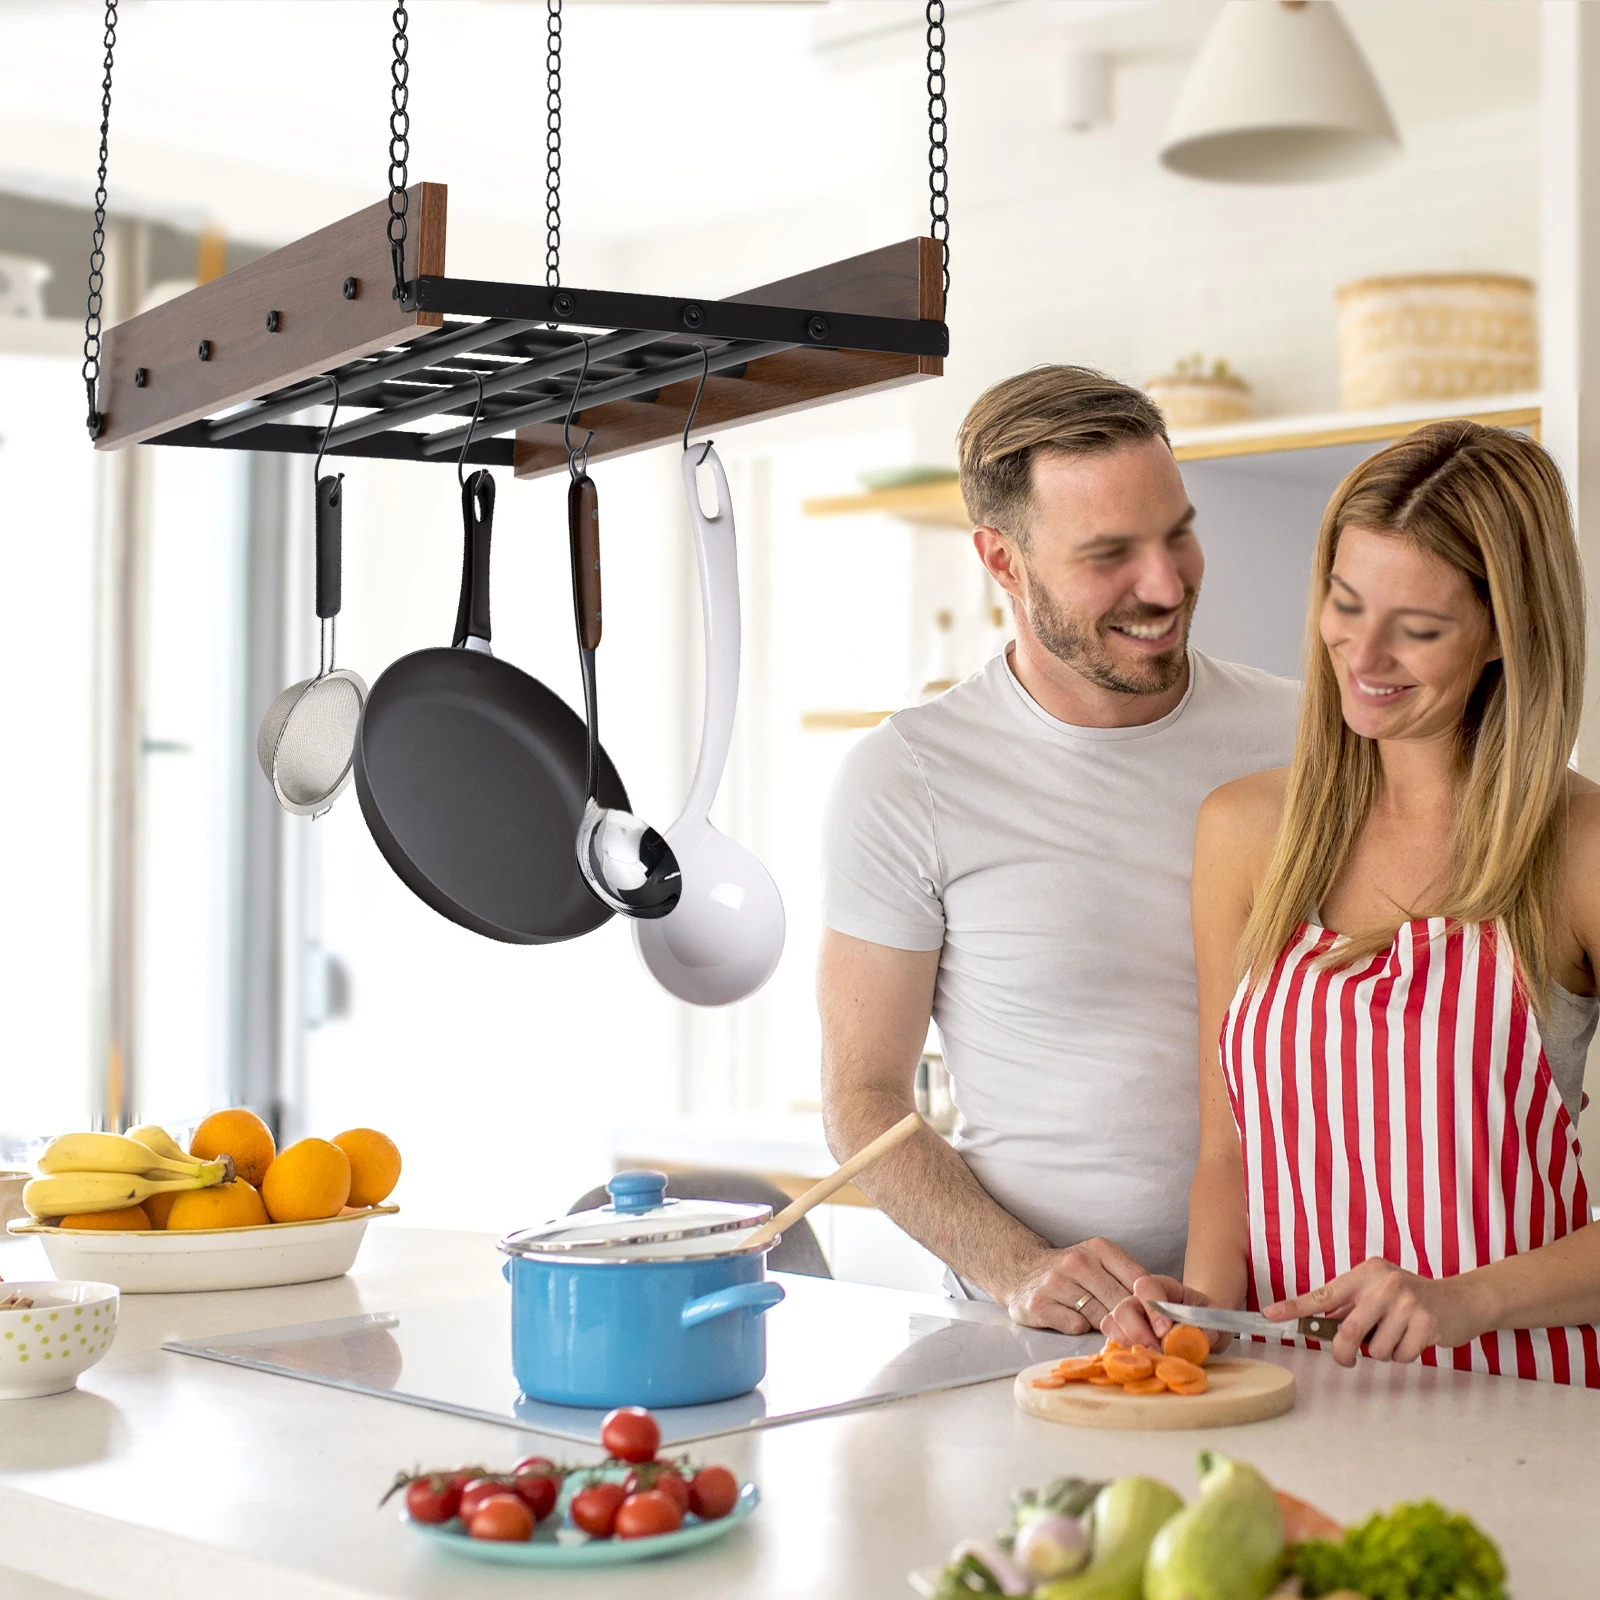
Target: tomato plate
(545, 1550)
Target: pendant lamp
(1280, 93)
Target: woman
(1395, 941)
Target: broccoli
(1414, 1552)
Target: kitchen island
(165, 1477)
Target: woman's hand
(1132, 1322)
(1394, 1313)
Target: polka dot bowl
(44, 1348)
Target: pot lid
(639, 1214)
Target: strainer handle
(477, 518)
(330, 545)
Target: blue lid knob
(638, 1191)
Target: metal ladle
(627, 865)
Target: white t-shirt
(1049, 865)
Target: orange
(160, 1207)
(239, 1133)
(113, 1221)
(311, 1179)
(374, 1165)
(223, 1205)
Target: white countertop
(165, 1477)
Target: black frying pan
(471, 774)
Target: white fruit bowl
(201, 1259)
(63, 1333)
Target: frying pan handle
(717, 555)
(583, 528)
(477, 517)
(330, 544)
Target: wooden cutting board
(1238, 1391)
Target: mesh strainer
(307, 738)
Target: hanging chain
(399, 149)
(938, 155)
(97, 247)
(552, 145)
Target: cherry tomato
(474, 1493)
(543, 1466)
(538, 1491)
(432, 1499)
(660, 1475)
(595, 1509)
(643, 1515)
(713, 1492)
(630, 1433)
(501, 1516)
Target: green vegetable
(1227, 1546)
(1414, 1552)
(963, 1579)
(1125, 1517)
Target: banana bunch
(106, 1171)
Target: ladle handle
(583, 529)
(818, 1192)
(477, 518)
(717, 555)
(330, 544)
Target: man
(1013, 859)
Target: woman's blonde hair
(1492, 505)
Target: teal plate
(543, 1551)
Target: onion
(1050, 1547)
(996, 1562)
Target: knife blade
(1246, 1321)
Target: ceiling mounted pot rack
(416, 354)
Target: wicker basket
(1436, 336)
(1191, 397)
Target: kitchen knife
(1246, 1321)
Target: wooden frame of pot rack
(225, 364)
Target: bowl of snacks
(633, 1506)
(231, 1212)
(51, 1333)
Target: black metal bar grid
(525, 349)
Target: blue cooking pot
(645, 1301)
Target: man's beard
(1083, 646)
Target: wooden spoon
(818, 1192)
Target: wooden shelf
(837, 721)
(940, 504)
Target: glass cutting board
(830, 1347)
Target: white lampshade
(1280, 93)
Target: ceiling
(270, 116)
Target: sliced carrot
(1198, 1386)
(1186, 1344)
(1049, 1381)
(1103, 1380)
(1145, 1386)
(1128, 1366)
(1111, 1344)
(1174, 1370)
(1303, 1521)
(1075, 1369)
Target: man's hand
(1074, 1290)
(1134, 1323)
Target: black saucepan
(471, 774)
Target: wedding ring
(1081, 1302)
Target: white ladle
(722, 940)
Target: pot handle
(505, 1270)
(756, 1297)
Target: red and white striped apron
(1402, 1107)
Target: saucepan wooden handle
(818, 1192)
